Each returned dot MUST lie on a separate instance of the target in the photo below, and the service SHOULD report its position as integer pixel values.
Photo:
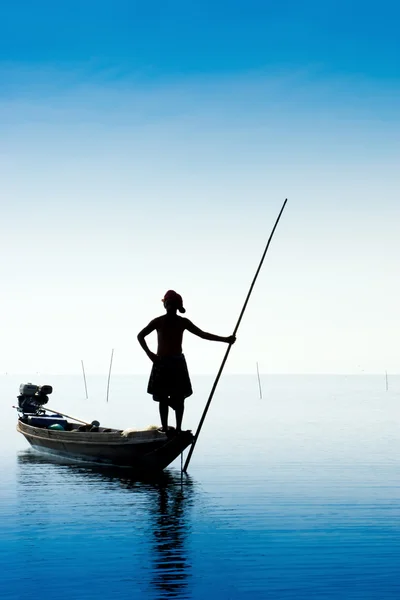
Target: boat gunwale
(93, 438)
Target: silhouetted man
(169, 381)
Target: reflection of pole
(109, 373)
(259, 382)
(387, 382)
(84, 379)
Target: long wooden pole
(196, 436)
(57, 412)
(109, 373)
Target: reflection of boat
(145, 451)
(33, 463)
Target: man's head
(173, 301)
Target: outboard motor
(32, 397)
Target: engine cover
(32, 397)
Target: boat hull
(146, 451)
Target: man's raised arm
(208, 336)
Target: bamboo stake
(259, 382)
(84, 379)
(387, 381)
(196, 436)
(109, 373)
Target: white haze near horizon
(112, 194)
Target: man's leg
(163, 407)
(179, 406)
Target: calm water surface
(296, 495)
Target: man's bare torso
(170, 330)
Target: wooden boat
(145, 451)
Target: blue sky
(160, 39)
(164, 39)
(150, 146)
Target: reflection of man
(169, 381)
(172, 522)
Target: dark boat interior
(60, 423)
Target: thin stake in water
(196, 435)
(109, 373)
(259, 382)
(84, 379)
(387, 382)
